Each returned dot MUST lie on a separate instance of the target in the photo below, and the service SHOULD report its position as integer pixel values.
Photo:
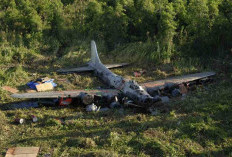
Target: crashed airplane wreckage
(142, 95)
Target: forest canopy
(186, 27)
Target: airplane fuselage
(129, 88)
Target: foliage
(175, 27)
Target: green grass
(200, 125)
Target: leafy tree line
(193, 27)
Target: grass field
(199, 125)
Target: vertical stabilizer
(94, 55)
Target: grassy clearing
(200, 125)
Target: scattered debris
(44, 87)
(22, 152)
(156, 98)
(139, 73)
(42, 84)
(65, 101)
(34, 118)
(104, 109)
(164, 99)
(19, 121)
(176, 92)
(115, 103)
(86, 98)
(129, 103)
(45, 79)
(183, 89)
(92, 107)
(10, 89)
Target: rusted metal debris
(22, 152)
(10, 89)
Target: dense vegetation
(172, 27)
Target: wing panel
(178, 79)
(64, 94)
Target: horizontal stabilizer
(178, 80)
(76, 70)
(65, 94)
(111, 66)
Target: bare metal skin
(130, 88)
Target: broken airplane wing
(177, 80)
(66, 94)
(89, 69)
(155, 85)
(76, 70)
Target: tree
(167, 27)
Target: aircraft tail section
(94, 55)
